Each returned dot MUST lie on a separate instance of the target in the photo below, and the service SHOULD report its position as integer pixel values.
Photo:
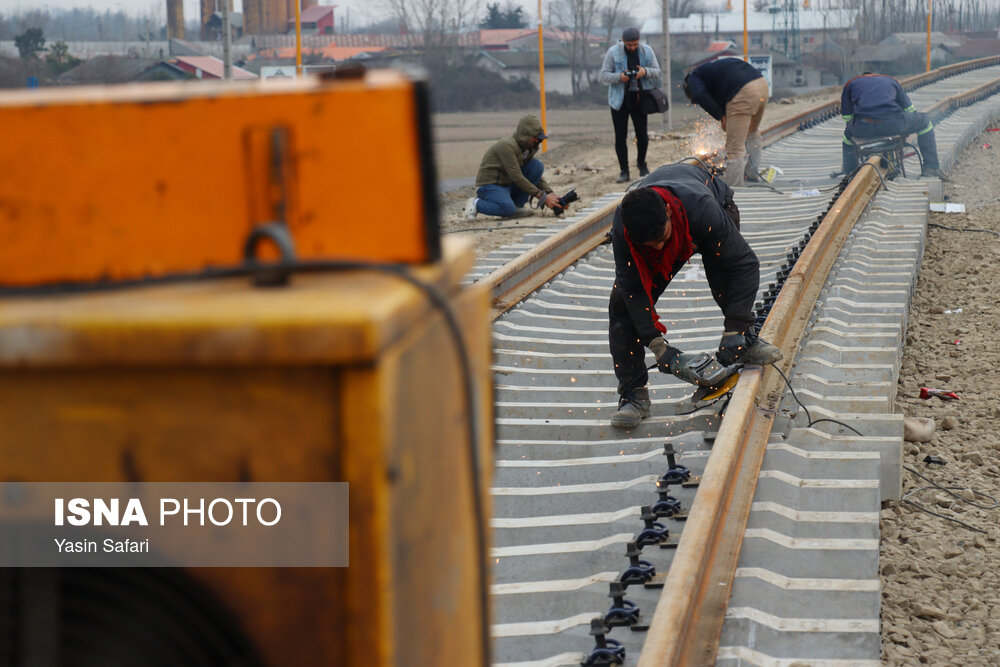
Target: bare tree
(578, 17)
(434, 26)
(617, 14)
(682, 8)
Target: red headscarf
(678, 247)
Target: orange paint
(141, 181)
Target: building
(209, 67)
(766, 31)
(515, 65)
(316, 20)
(103, 70)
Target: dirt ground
(581, 155)
(941, 583)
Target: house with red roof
(315, 20)
(209, 67)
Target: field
(580, 155)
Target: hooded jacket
(731, 267)
(502, 163)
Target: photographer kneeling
(629, 68)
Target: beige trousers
(743, 115)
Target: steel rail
(792, 125)
(689, 615)
(518, 278)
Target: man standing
(875, 105)
(676, 211)
(629, 68)
(735, 94)
(509, 174)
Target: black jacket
(732, 268)
(713, 84)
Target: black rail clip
(639, 571)
(623, 613)
(607, 651)
(676, 473)
(654, 531)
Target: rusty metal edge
(515, 280)
(689, 615)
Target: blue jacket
(615, 63)
(874, 96)
(716, 82)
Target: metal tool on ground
(943, 394)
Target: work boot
(633, 407)
(931, 172)
(761, 353)
(470, 209)
(643, 169)
(623, 177)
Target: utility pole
(227, 42)
(667, 118)
(298, 38)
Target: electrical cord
(253, 268)
(877, 173)
(950, 490)
(959, 229)
(906, 498)
(812, 421)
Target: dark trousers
(627, 351)
(905, 124)
(619, 118)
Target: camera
(565, 201)
(633, 80)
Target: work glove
(663, 353)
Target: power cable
(950, 490)
(960, 229)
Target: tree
(511, 17)
(616, 16)
(29, 43)
(494, 18)
(578, 17)
(59, 59)
(433, 25)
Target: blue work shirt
(874, 96)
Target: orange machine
(147, 181)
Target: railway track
(778, 546)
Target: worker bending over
(735, 94)
(676, 211)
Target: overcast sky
(359, 10)
(354, 11)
